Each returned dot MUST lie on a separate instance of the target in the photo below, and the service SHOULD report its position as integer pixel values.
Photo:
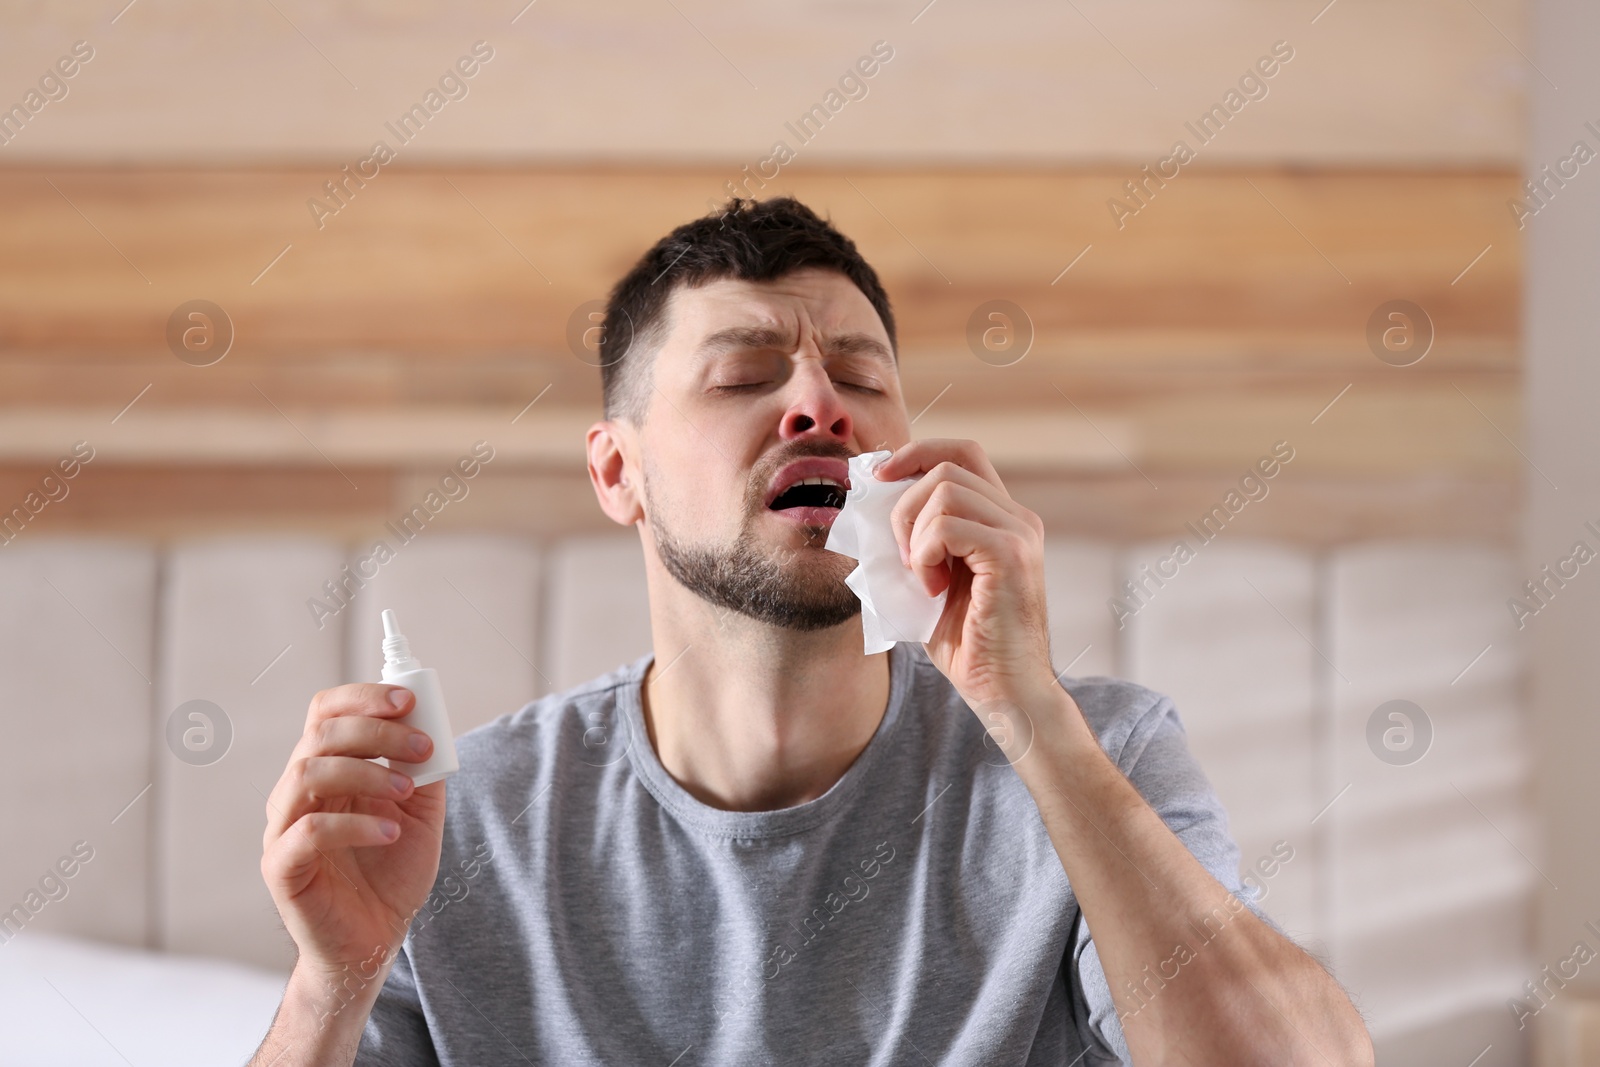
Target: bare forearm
(1193, 973)
(320, 1021)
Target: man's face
(751, 378)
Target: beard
(796, 590)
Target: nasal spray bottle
(400, 667)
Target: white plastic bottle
(428, 714)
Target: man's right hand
(351, 848)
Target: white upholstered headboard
(1276, 657)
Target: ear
(611, 470)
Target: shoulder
(1125, 716)
(525, 747)
(1139, 729)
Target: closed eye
(758, 385)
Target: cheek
(717, 469)
(690, 492)
(885, 423)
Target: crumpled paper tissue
(894, 606)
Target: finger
(360, 698)
(292, 857)
(368, 738)
(359, 736)
(979, 544)
(951, 498)
(307, 783)
(916, 457)
(364, 699)
(914, 501)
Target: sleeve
(396, 1034)
(1156, 758)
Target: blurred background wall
(277, 266)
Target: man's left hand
(958, 529)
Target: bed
(74, 1002)
(1275, 654)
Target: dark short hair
(749, 240)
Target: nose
(816, 409)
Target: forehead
(823, 300)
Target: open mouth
(810, 493)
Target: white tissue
(894, 606)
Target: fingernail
(388, 828)
(399, 781)
(397, 697)
(419, 743)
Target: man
(758, 845)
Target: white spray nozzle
(397, 655)
(428, 714)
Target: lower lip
(808, 516)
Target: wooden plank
(1402, 81)
(456, 264)
(161, 500)
(418, 319)
(1372, 431)
(171, 504)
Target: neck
(747, 717)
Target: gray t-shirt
(589, 910)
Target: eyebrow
(846, 344)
